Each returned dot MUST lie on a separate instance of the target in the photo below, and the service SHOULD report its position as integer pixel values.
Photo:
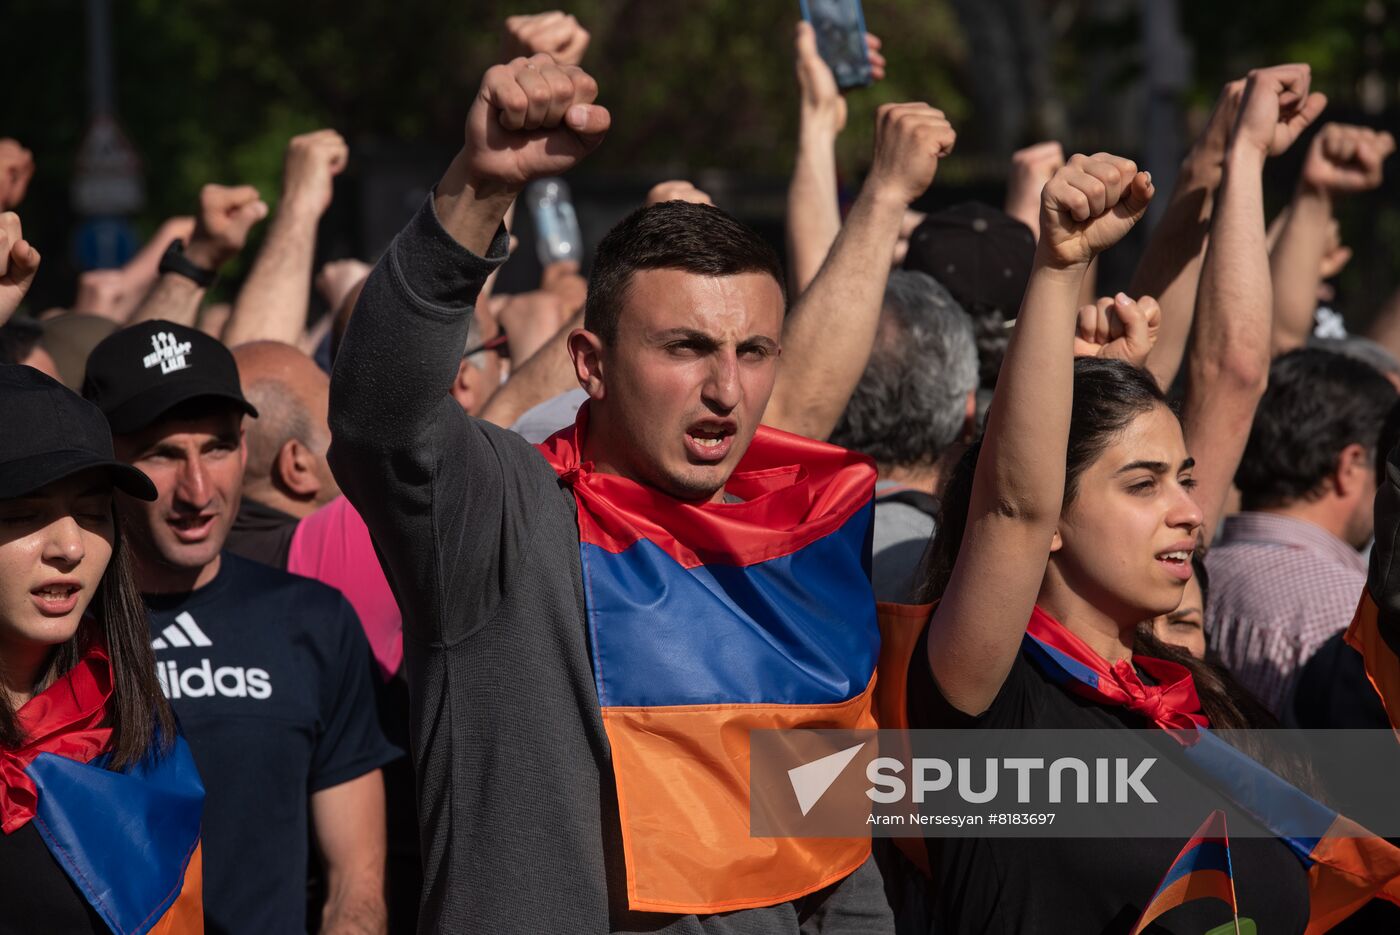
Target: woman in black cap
(99, 801)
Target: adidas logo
(203, 680)
(183, 632)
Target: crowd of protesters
(453, 603)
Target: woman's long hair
(138, 713)
(1108, 396)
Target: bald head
(287, 443)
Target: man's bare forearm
(273, 303)
(173, 298)
(828, 333)
(813, 209)
(1170, 268)
(1296, 265)
(1229, 359)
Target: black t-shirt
(36, 895)
(1024, 886)
(272, 680)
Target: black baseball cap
(982, 256)
(51, 433)
(138, 374)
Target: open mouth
(192, 528)
(709, 441)
(1177, 562)
(57, 599)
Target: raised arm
(274, 299)
(828, 332)
(445, 495)
(1228, 364)
(974, 636)
(226, 215)
(19, 264)
(1342, 160)
(813, 208)
(1170, 267)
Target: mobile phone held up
(840, 29)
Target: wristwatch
(175, 261)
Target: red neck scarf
(66, 719)
(1170, 704)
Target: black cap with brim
(148, 407)
(26, 475)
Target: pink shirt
(333, 546)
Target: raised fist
(910, 139)
(532, 118)
(677, 190)
(313, 161)
(1344, 158)
(556, 33)
(1090, 205)
(823, 104)
(16, 169)
(226, 215)
(1118, 328)
(1031, 168)
(1276, 107)
(19, 262)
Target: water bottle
(557, 235)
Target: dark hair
(699, 239)
(18, 338)
(911, 401)
(1317, 403)
(138, 713)
(1108, 396)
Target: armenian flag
(1200, 871)
(128, 840)
(710, 620)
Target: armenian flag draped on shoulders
(129, 840)
(709, 620)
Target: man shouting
(592, 627)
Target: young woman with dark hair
(1074, 521)
(99, 801)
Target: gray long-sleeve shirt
(517, 812)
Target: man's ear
(586, 352)
(969, 431)
(1354, 469)
(1056, 543)
(294, 470)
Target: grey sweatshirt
(516, 808)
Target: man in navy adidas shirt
(269, 673)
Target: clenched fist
(313, 161)
(910, 139)
(1344, 159)
(532, 118)
(1276, 107)
(1090, 205)
(19, 262)
(1118, 328)
(556, 33)
(226, 215)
